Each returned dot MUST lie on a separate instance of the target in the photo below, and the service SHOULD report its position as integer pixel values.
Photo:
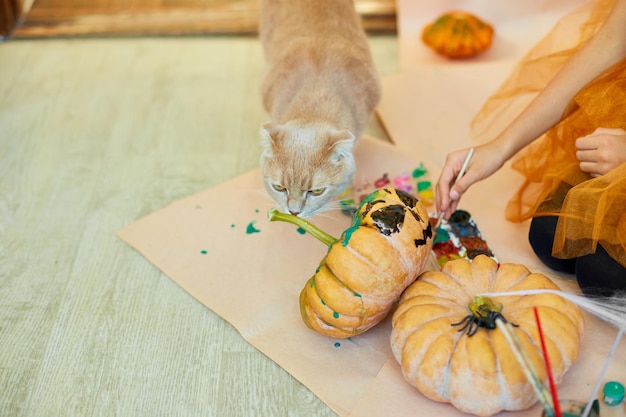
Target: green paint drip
(335, 315)
(301, 230)
(251, 229)
(348, 234)
(372, 196)
(203, 252)
(337, 344)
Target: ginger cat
(320, 87)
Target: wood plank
(95, 134)
(238, 17)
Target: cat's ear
(343, 143)
(269, 132)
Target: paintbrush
(433, 258)
(596, 388)
(527, 366)
(464, 167)
(544, 350)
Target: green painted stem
(325, 238)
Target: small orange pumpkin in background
(458, 35)
(445, 339)
(368, 267)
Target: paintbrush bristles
(609, 309)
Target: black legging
(597, 273)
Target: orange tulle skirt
(590, 210)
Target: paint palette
(459, 237)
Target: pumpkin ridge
(408, 302)
(453, 291)
(328, 286)
(444, 314)
(322, 310)
(360, 272)
(421, 335)
(360, 256)
(504, 394)
(445, 393)
(508, 387)
(567, 358)
(546, 301)
(510, 276)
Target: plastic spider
(484, 313)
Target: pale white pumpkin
(480, 374)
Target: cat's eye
(278, 188)
(317, 191)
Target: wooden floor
(168, 17)
(94, 134)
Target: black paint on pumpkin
(428, 233)
(389, 219)
(407, 199)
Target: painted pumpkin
(458, 35)
(367, 268)
(445, 339)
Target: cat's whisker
(331, 205)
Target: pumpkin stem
(310, 228)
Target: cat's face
(303, 168)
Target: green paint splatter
(441, 235)
(301, 230)
(232, 226)
(337, 344)
(348, 234)
(424, 185)
(256, 211)
(335, 315)
(419, 171)
(251, 229)
(203, 252)
(356, 294)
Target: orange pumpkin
(458, 35)
(479, 373)
(368, 267)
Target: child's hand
(487, 159)
(601, 151)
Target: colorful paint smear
(415, 183)
(459, 238)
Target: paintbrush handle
(527, 367)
